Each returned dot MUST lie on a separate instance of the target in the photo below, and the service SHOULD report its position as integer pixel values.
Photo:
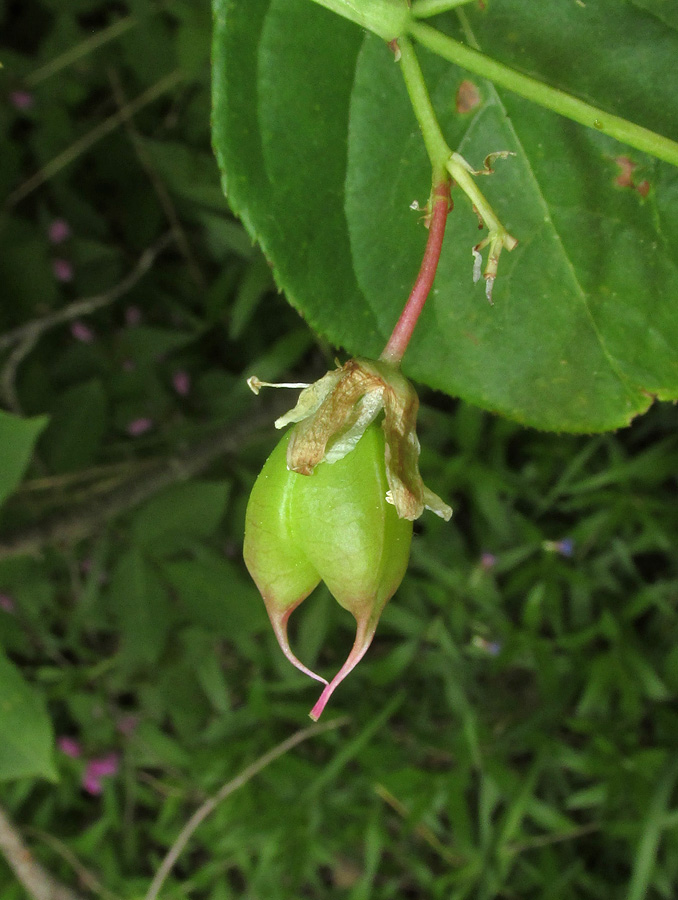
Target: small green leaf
(152, 747)
(190, 174)
(17, 439)
(648, 846)
(27, 743)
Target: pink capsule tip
(279, 623)
(363, 638)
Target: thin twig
(87, 878)
(544, 840)
(88, 518)
(165, 790)
(8, 377)
(157, 183)
(76, 52)
(246, 775)
(36, 881)
(67, 480)
(88, 140)
(26, 336)
(420, 829)
(89, 304)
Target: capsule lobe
(334, 525)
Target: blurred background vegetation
(513, 731)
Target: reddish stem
(397, 343)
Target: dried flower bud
(334, 412)
(335, 503)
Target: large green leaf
(321, 157)
(17, 439)
(27, 742)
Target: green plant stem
(73, 54)
(229, 788)
(564, 104)
(446, 166)
(436, 146)
(83, 144)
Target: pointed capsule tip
(279, 623)
(363, 639)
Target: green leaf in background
(146, 342)
(215, 594)
(180, 514)
(17, 439)
(142, 608)
(77, 427)
(26, 742)
(321, 157)
(191, 174)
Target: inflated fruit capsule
(335, 525)
(336, 500)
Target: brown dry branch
(230, 787)
(161, 192)
(36, 881)
(83, 144)
(78, 51)
(89, 517)
(26, 336)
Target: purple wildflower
(488, 561)
(101, 767)
(69, 746)
(139, 426)
(182, 383)
(7, 603)
(492, 648)
(62, 270)
(21, 99)
(59, 230)
(564, 547)
(82, 332)
(132, 315)
(128, 724)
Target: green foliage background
(513, 730)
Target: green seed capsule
(336, 500)
(333, 525)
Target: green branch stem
(498, 237)
(551, 98)
(436, 145)
(446, 164)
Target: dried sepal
(333, 413)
